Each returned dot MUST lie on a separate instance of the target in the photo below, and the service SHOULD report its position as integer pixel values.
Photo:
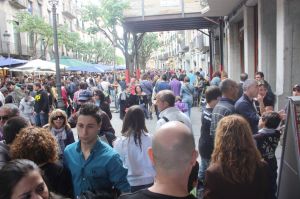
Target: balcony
(18, 4)
(69, 11)
(15, 50)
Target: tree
(103, 51)
(149, 44)
(107, 18)
(37, 28)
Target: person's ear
(150, 154)
(194, 157)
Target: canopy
(77, 65)
(91, 69)
(38, 65)
(11, 61)
(72, 62)
(105, 68)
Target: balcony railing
(15, 49)
(19, 4)
(69, 11)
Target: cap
(3, 90)
(85, 95)
(8, 83)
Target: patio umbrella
(11, 61)
(37, 65)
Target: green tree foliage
(36, 27)
(149, 44)
(105, 18)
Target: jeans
(117, 102)
(41, 119)
(203, 166)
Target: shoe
(116, 111)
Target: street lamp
(60, 103)
(6, 36)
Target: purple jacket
(175, 87)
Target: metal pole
(60, 103)
(210, 55)
(221, 44)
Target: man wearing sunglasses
(7, 111)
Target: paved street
(151, 125)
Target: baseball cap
(85, 95)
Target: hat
(85, 95)
(8, 83)
(4, 90)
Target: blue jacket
(101, 171)
(245, 107)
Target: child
(267, 141)
(183, 107)
(205, 146)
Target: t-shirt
(146, 194)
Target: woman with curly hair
(40, 146)
(59, 127)
(23, 179)
(236, 169)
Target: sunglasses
(4, 117)
(58, 117)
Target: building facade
(20, 45)
(261, 35)
(185, 49)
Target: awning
(92, 69)
(72, 62)
(11, 61)
(37, 65)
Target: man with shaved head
(173, 155)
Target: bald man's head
(173, 147)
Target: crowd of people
(39, 156)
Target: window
(29, 8)
(40, 10)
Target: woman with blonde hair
(59, 127)
(237, 169)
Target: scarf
(60, 136)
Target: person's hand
(260, 99)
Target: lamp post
(6, 36)
(60, 103)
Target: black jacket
(4, 154)
(41, 102)
(206, 141)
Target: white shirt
(173, 114)
(136, 159)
